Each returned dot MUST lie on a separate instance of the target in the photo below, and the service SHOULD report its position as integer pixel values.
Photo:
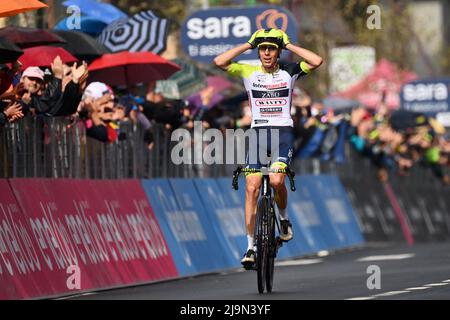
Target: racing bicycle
(267, 243)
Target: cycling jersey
(269, 94)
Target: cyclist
(269, 87)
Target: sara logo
(270, 102)
(272, 18)
(207, 33)
(425, 91)
(238, 26)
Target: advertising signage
(208, 33)
(426, 96)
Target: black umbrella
(403, 120)
(143, 31)
(29, 37)
(81, 45)
(8, 52)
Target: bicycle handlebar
(287, 171)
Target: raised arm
(223, 60)
(312, 60)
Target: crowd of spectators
(62, 90)
(394, 141)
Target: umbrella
(403, 120)
(105, 12)
(215, 83)
(43, 56)
(144, 31)
(340, 105)
(187, 81)
(89, 25)
(219, 83)
(128, 68)
(12, 7)
(196, 100)
(29, 37)
(8, 51)
(81, 45)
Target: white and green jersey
(269, 94)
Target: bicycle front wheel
(262, 241)
(271, 250)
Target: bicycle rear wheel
(271, 250)
(262, 244)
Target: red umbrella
(13, 7)
(128, 68)
(29, 37)
(43, 56)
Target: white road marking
(407, 290)
(300, 262)
(417, 288)
(387, 257)
(390, 293)
(362, 298)
(436, 284)
(77, 296)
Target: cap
(96, 90)
(33, 72)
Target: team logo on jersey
(270, 94)
(270, 102)
(270, 110)
(260, 121)
(271, 86)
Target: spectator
(97, 109)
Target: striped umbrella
(143, 31)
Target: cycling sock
(250, 242)
(283, 214)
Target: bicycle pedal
(249, 266)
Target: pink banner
(385, 78)
(66, 236)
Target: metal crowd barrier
(58, 147)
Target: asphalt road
(418, 272)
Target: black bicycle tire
(261, 243)
(270, 264)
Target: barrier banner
(190, 234)
(306, 221)
(375, 214)
(66, 236)
(226, 212)
(417, 202)
(164, 204)
(205, 236)
(338, 220)
(414, 218)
